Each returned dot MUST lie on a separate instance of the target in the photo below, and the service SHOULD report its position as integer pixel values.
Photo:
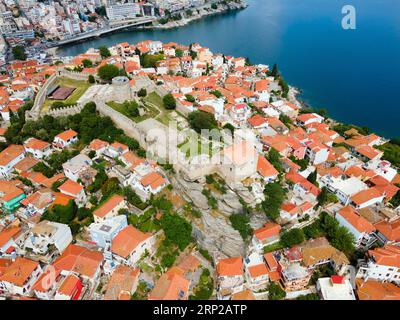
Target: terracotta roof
(122, 281)
(269, 230)
(389, 255)
(98, 144)
(19, 271)
(265, 168)
(374, 290)
(189, 263)
(109, 205)
(366, 195)
(319, 249)
(230, 267)
(69, 285)
(46, 280)
(36, 144)
(172, 285)
(243, 295)
(127, 240)
(80, 260)
(240, 153)
(70, 187)
(66, 135)
(258, 270)
(391, 230)
(154, 179)
(7, 234)
(26, 164)
(257, 120)
(358, 222)
(10, 153)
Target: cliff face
(213, 230)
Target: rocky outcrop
(214, 233)
(213, 230)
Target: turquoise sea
(354, 74)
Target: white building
(383, 264)
(76, 165)
(343, 189)
(359, 227)
(39, 149)
(19, 277)
(335, 288)
(48, 234)
(9, 157)
(121, 11)
(65, 139)
(103, 232)
(131, 244)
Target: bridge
(97, 33)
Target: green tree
(216, 93)
(19, 53)
(83, 213)
(108, 72)
(275, 292)
(241, 223)
(91, 79)
(177, 230)
(312, 177)
(169, 101)
(142, 92)
(274, 157)
(104, 52)
(179, 53)
(199, 120)
(110, 187)
(274, 72)
(62, 214)
(168, 260)
(292, 237)
(132, 108)
(87, 63)
(150, 60)
(274, 197)
(190, 98)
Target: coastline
(224, 8)
(185, 21)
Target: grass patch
(80, 89)
(150, 111)
(273, 247)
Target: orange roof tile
(98, 144)
(66, 135)
(366, 195)
(109, 205)
(154, 179)
(121, 282)
(70, 187)
(230, 267)
(358, 222)
(80, 260)
(7, 234)
(391, 230)
(375, 290)
(19, 271)
(127, 240)
(269, 230)
(36, 144)
(10, 153)
(170, 286)
(258, 270)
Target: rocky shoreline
(202, 12)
